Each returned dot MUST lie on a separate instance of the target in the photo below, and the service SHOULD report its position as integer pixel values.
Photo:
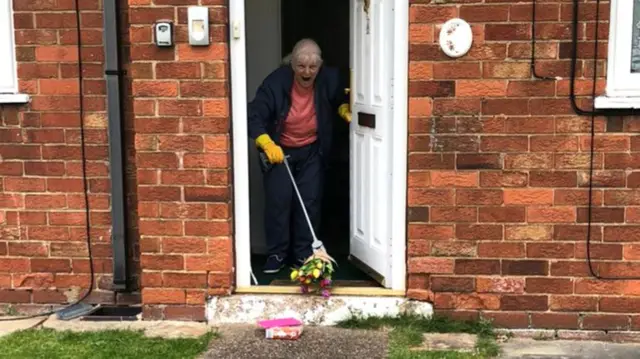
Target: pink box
(285, 333)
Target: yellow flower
(319, 265)
(316, 273)
(294, 275)
(308, 281)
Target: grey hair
(305, 48)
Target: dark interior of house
(327, 22)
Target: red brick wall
(498, 180)
(43, 252)
(181, 110)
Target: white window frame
(9, 89)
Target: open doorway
(272, 29)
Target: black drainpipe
(113, 74)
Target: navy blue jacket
(270, 107)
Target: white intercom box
(163, 31)
(198, 22)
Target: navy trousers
(286, 228)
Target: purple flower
(304, 289)
(326, 293)
(325, 283)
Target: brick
(185, 313)
(485, 13)
(599, 251)
(549, 285)
(453, 249)
(510, 106)
(453, 214)
(163, 296)
(452, 284)
(431, 88)
(554, 143)
(506, 70)
(480, 88)
(155, 88)
(605, 322)
(479, 197)
(554, 214)
(479, 232)
(455, 70)
(421, 70)
(216, 51)
(619, 304)
(56, 53)
(430, 265)
(525, 267)
(500, 285)
(604, 179)
(454, 179)
(208, 160)
(507, 319)
(524, 302)
(504, 143)
(528, 233)
(421, 196)
(478, 161)
(601, 215)
(207, 228)
(206, 194)
(14, 296)
(50, 265)
(503, 179)
(552, 179)
(554, 320)
(466, 301)
(569, 268)
(162, 262)
(526, 88)
(208, 263)
(501, 250)
(477, 266)
(550, 250)
(184, 280)
(427, 14)
(501, 214)
(573, 303)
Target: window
(8, 69)
(623, 70)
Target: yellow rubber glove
(274, 152)
(345, 112)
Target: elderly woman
(292, 115)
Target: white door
(371, 56)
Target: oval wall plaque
(456, 37)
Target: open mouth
(306, 78)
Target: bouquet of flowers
(315, 272)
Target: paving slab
(567, 349)
(242, 341)
(11, 326)
(164, 329)
(448, 341)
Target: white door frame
(240, 143)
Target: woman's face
(306, 69)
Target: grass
(406, 333)
(109, 344)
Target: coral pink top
(300, 128)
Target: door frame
(240, 155)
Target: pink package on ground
(282, 322)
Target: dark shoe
(273, 265)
